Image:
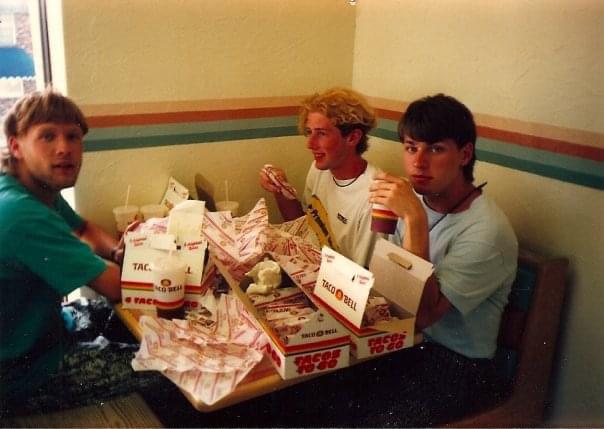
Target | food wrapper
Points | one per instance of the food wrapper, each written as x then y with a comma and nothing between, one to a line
289,326
206,360
207,356
239,243
377,310
285,295
287,190
287,311
266,275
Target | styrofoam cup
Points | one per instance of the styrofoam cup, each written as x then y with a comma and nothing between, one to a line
169,275
124,216
228,206
153,210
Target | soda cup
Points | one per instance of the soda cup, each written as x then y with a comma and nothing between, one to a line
383,219
228,206
153,210
169,274
124,216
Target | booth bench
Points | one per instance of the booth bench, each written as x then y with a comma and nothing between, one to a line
527,343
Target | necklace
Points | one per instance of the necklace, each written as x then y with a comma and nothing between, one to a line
343,185
459,203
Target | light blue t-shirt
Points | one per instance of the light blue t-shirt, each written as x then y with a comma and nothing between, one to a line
475,255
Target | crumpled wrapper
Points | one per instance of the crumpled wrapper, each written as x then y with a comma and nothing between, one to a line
209,360
205,361
239,243
287,190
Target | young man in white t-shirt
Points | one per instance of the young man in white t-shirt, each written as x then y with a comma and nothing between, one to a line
336,123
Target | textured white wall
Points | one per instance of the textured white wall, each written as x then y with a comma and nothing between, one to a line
123,51
107,174
537,61
129,51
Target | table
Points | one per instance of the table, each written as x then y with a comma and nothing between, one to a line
261,380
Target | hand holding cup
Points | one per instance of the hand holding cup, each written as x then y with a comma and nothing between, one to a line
397,195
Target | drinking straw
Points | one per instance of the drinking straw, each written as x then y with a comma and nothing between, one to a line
226,189
127,195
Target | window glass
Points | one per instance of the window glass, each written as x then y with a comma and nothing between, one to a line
20,46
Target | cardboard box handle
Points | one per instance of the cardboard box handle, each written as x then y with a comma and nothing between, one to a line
399,260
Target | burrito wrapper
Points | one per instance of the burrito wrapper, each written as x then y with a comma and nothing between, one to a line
206,363
287,190
208,360
240,243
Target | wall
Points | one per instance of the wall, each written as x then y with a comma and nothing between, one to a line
532,71
141,50
140,67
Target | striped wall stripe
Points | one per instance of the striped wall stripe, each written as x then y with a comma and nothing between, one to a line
567,161
133,137
190,116
178,139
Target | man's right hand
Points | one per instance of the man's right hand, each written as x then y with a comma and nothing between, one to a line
268,184
273,180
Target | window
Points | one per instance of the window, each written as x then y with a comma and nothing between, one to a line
7,30
22,42
24,59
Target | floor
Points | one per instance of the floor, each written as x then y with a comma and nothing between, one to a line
127,411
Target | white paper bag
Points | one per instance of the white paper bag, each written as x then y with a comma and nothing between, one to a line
184,234
175,193
343,285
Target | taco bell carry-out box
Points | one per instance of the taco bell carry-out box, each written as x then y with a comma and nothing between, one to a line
343,287
183,234
322,344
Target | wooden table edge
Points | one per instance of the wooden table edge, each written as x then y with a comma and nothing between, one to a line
244,390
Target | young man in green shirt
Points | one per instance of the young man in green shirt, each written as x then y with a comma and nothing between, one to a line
47,249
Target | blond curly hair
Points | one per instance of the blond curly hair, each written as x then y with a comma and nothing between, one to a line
346,109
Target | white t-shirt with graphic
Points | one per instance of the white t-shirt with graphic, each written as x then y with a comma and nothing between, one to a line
348,211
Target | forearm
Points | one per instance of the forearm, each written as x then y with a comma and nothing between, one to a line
433,304
101,242
417,238
109,282
290,209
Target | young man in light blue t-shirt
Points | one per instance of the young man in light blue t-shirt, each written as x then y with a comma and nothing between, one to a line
444,218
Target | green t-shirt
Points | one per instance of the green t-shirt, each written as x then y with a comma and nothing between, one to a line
41,260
